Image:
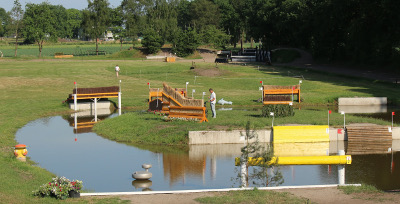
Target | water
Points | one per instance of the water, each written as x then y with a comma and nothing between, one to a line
107,166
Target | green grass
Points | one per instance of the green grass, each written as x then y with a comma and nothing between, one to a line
364,188
253,196
31,89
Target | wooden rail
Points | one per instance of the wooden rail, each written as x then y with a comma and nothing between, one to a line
280,94
188,112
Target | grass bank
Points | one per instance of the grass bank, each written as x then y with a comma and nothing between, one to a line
31,89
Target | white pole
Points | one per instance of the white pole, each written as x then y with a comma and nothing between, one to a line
341,170
344,120
158,89
95,109
75,103
328,118
186,88
273,117
392,119
119,100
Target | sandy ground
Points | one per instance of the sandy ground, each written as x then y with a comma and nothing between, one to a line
324,195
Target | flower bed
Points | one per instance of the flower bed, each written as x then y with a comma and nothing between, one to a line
59,187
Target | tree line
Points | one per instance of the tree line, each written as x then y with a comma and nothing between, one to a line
347,30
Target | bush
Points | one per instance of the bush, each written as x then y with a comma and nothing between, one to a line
279,110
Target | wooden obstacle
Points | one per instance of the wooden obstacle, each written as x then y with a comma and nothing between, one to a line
91,93
176,105
280,94
94,94
373,139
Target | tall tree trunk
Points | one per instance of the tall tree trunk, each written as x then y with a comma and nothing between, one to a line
97,46
120,40
40,43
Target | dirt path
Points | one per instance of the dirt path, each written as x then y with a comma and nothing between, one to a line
324,195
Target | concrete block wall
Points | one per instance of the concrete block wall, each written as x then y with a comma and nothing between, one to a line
359,101
226,137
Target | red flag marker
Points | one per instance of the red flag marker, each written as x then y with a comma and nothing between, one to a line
330,111
74,82
392,113
260,82
339,131
148,83
294,88
76,139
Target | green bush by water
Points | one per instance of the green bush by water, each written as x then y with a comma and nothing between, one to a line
279,110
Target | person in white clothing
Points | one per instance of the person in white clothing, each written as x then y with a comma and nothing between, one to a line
116,70
213,100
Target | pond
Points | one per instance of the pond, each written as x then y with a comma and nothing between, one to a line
107,166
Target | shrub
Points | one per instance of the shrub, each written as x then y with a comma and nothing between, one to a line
279,110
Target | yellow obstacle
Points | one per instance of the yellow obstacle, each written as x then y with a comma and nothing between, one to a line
307,160
314,133
301,149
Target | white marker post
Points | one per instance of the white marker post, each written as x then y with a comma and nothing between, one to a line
95,109
186,88
392,119
193,92
204,93
273,117
262,91
344,120
119,97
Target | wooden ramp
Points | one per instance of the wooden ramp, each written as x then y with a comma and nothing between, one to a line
371,139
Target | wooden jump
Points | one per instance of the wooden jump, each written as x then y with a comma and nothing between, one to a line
98,92
176,104
280,94
94,94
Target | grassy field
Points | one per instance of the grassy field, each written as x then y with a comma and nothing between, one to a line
31,89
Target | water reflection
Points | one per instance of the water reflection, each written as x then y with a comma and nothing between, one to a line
107,166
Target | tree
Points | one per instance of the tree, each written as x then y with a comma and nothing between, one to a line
203,13
3,21
74,21
186,42
39,24
162,17
134,12
254,149
217,37
152,41
61,17
15,24
96,19
116,22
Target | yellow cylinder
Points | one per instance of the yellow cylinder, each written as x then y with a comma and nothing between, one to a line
20,152
305,160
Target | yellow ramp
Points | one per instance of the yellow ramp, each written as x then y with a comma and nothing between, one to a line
314,133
